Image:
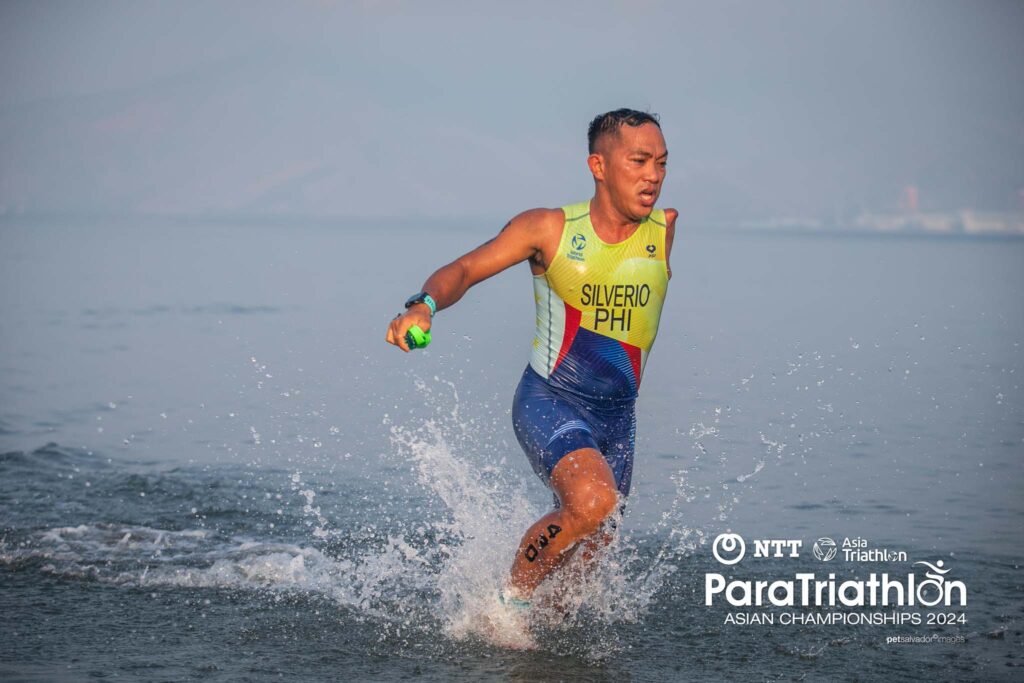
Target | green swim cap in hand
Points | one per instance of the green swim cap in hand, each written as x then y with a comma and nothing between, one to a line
416,338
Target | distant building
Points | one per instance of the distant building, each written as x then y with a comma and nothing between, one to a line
989,223
910,197
966,221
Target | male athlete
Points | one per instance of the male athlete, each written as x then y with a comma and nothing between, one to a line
600,273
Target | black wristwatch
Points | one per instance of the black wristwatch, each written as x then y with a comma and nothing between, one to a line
422,298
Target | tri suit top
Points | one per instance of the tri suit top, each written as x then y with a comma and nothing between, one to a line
598,309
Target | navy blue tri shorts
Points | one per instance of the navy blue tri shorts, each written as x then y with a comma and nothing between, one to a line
550,423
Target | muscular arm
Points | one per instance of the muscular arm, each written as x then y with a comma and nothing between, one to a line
519,240
527,236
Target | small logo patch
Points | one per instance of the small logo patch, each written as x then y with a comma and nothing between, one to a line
579,243
651,249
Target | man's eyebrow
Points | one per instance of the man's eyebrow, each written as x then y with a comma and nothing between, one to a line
644,153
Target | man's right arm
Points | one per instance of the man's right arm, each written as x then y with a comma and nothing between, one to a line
527,236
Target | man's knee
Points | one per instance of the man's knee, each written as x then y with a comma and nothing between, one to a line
592,504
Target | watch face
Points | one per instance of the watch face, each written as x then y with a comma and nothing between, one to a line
415,299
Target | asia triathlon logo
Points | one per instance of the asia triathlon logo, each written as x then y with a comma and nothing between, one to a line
825,549
651,249
729,548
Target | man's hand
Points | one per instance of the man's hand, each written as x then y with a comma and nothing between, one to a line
418,314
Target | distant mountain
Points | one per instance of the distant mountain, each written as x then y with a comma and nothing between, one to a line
273,135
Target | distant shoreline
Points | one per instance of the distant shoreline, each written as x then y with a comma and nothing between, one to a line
464,224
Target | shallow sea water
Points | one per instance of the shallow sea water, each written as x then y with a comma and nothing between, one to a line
214,468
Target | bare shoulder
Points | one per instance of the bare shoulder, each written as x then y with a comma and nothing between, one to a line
539,222
542,230
529,228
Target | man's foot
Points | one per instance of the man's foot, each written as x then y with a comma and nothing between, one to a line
507,624
511,600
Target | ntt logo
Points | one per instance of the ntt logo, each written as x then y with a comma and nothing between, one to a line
729,548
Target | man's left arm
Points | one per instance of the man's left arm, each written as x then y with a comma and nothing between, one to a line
670,233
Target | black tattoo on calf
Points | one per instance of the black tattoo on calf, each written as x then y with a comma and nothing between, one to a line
531,551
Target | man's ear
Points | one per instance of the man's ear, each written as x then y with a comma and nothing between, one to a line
596,163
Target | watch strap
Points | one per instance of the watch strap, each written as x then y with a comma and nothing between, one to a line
423,298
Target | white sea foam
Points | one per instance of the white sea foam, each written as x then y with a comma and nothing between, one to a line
198,558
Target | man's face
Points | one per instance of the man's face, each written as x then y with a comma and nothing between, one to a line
633,168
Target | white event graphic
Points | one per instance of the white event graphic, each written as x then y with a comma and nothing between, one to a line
807,589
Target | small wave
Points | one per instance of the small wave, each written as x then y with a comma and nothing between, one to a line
146,557
204,309
232,309
757,468
49,455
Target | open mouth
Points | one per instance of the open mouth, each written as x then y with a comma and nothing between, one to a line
647,197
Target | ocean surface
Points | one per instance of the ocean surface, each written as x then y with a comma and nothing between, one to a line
213,468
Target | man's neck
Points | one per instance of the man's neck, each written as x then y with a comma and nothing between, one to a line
609,223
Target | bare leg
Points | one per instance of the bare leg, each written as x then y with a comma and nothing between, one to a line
586,489
588,550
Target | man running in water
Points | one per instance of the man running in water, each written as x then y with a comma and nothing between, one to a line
600,273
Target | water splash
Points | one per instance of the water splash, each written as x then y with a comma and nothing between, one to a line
488,510
422,546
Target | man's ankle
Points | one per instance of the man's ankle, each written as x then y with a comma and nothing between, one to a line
514,596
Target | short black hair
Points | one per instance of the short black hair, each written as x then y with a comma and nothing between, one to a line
611,122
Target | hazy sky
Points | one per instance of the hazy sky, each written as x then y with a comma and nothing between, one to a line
480,109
